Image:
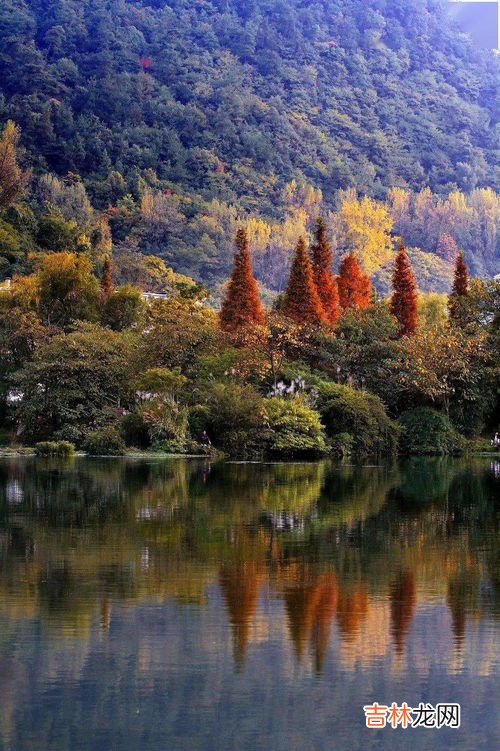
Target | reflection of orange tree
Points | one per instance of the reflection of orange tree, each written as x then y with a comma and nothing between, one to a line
403,596
352,609
240,584
99,531
463,599
79,539
301,600
326,608
310,595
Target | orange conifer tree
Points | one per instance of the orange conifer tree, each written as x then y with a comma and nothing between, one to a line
459,290
106,280
242,306
302,303
326,284
355,288
404,301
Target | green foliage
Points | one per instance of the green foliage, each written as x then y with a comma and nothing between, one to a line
123,308
199,420
135,431
294,428
361,415
341,445
10,245
235,418
178,333
167,424
161,382
74,382
104,442
54,448
57,234
216,135
171,127
67,289
363,352
426,431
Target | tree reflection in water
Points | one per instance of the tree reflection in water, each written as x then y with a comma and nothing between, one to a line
348,551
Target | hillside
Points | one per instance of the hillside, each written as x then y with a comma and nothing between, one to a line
226,108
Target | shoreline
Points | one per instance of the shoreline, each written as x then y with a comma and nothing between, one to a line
29,453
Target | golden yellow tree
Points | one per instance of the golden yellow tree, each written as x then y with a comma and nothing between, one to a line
12,178
363,227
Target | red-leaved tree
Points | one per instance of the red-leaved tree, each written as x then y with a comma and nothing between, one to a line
355,288
326,284
459,290
404,300
242,306
302,303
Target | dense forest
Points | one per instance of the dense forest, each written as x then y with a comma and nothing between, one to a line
349,150
175,122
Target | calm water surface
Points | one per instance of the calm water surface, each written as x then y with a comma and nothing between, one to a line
178,606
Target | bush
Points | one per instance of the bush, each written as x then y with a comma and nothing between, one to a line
294,428
104,442
135,431
54,448
359,414
425,431
167,424
198,420
235,419
342,445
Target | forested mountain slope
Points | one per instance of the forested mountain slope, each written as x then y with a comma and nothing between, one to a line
181,117
234,97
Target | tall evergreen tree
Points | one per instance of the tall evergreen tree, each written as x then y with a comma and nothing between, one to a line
459,290
241,306
302,302
355,288
326,284
404,301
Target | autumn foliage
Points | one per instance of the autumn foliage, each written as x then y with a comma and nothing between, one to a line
355,288
326,284
242,306
106,280
12,179
404,301
302,303
459,289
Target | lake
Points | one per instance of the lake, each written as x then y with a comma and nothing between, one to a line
178,605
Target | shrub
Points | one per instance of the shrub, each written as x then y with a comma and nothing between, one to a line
342,445
167,424
198,420
105,442
361,415
236,418
426,431
135,431
54,448
294,428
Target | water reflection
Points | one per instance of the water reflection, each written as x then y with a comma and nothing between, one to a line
345,568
